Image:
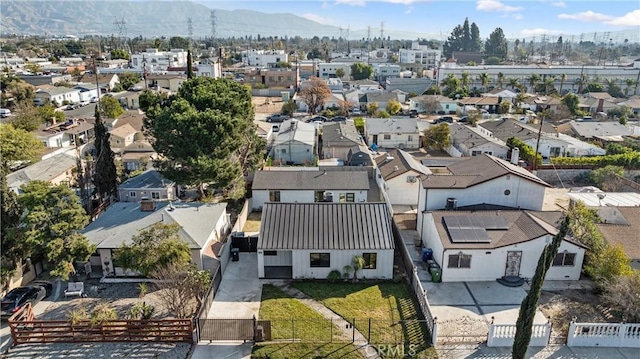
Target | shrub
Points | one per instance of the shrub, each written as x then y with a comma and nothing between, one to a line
144,289
141,311
77,315
102,313
334,276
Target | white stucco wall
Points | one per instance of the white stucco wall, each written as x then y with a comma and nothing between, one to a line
401,192
491,148
405,141
260,197
297,152
339,259
545,146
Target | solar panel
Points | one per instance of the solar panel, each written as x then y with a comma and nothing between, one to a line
469,235
473,229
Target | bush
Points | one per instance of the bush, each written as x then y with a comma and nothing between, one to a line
622,294
141,311
75,316
381,114
630,160
334,276
102,313
144,289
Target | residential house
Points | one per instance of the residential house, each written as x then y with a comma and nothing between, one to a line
328,70
473,141
272,77
634,105
153,60
446,104
356,98
168,82
594,197
402,96
595,105
410,85
488,245
137,155
400,133
294,143
106,82
264,58
484,182
149,185
202,225
134,154
56,95
309,186
383,71
399,174
121,137
359,156
380,98
620,226
595,131
365,85
57,169
309,240
129,100
338,138
487,103
87,91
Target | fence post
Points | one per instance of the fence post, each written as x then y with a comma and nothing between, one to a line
331,331
293,331
369,335
353,331
434,332
571,333
492,329
621,333
548,333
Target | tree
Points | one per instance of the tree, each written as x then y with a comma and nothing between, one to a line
496,45
357,263
315,94
105,177
529,305
513,82
17,145
583,227
177,42
437,136
607,264
33,67
572,101
15,91
393,107
289,108
340,72
205,133
178,285
614,89
128,79
563,78
622,294
110,107
381,114
152,248
504,107
484,79
48,227
533,80
430,104
606,178
119,54
500,79
189,65
527,152
464,37
361,71
76,73
465,79
476,41
372,108
492,60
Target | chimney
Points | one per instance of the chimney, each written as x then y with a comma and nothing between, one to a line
515,155
600,105
147,205
53,120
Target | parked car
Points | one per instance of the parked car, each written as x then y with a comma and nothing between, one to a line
463,119
48,286
5,112
93,100
84,103
318,118
338,119
355,111
447,119
413,113
277,118
18,298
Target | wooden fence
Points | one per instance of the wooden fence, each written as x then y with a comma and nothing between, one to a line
26,329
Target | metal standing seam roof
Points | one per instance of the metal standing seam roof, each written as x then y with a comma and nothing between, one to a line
325,226
311,180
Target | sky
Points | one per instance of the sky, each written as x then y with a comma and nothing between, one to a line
518,19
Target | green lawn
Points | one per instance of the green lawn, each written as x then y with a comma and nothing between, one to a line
387,304
306,350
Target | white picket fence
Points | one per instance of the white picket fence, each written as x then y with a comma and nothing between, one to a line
622,335
502,335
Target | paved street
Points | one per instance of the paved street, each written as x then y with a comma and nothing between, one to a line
82,112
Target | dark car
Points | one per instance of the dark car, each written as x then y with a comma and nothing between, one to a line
48,286
19,297
277,118
463,119
318,118
413,113
338,119
442,119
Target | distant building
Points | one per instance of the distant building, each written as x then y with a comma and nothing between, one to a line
421,54
264,58
153,60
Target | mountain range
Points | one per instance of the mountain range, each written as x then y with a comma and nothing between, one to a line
159,18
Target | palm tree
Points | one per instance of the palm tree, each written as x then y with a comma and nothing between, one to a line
630,83
533,79
500,79
548,85
563,78
582,81
484,79
513,82
465,78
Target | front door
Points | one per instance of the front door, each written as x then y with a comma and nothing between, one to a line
375,139
513,264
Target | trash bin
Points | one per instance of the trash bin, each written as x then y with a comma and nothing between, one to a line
235,254
427,253
433,265
436,274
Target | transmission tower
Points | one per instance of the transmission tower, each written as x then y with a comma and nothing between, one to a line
122,34
214,23
382,33
368,33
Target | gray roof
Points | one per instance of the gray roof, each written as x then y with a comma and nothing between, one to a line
397,162
148,180
506,128
44,170
595,129
57,90
380,97
377,126
340,134
471,137
120,222
294,130
311,180
325,226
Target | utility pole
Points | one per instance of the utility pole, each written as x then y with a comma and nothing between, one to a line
382,34
535,155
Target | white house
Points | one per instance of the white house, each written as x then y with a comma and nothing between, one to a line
421,54
400,133
383,71
202,226
488,245
419,103
474,141
308,186
328,70
87,91
481,182
57,94
264,58
149,185
294,143
364,85
399,174
153,60
309,240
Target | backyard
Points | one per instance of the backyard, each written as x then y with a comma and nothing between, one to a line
384,312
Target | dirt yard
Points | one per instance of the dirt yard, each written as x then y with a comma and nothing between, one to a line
121,296
267,105
584,304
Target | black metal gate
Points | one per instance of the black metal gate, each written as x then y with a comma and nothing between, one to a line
245,244
226,329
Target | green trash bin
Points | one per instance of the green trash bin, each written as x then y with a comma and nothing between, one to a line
436,275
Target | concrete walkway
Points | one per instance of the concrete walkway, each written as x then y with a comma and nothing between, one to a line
365,348
548,352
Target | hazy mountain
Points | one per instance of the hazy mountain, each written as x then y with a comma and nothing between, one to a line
157,18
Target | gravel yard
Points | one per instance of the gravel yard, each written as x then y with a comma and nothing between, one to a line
100,350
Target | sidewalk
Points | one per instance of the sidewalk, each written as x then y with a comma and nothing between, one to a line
548,352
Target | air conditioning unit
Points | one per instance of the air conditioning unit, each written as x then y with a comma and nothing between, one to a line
411,179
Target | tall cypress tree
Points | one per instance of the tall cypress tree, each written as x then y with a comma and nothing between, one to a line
524,325
189,65
105,177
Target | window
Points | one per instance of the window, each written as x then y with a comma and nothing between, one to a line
270,253
274,196
351,197
320,259
132,194
343,197
318,196
475,153
564,259
155,195
409,138
387,137
283,150
370,260
459,260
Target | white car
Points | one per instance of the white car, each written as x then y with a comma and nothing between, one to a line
84,103
94,100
